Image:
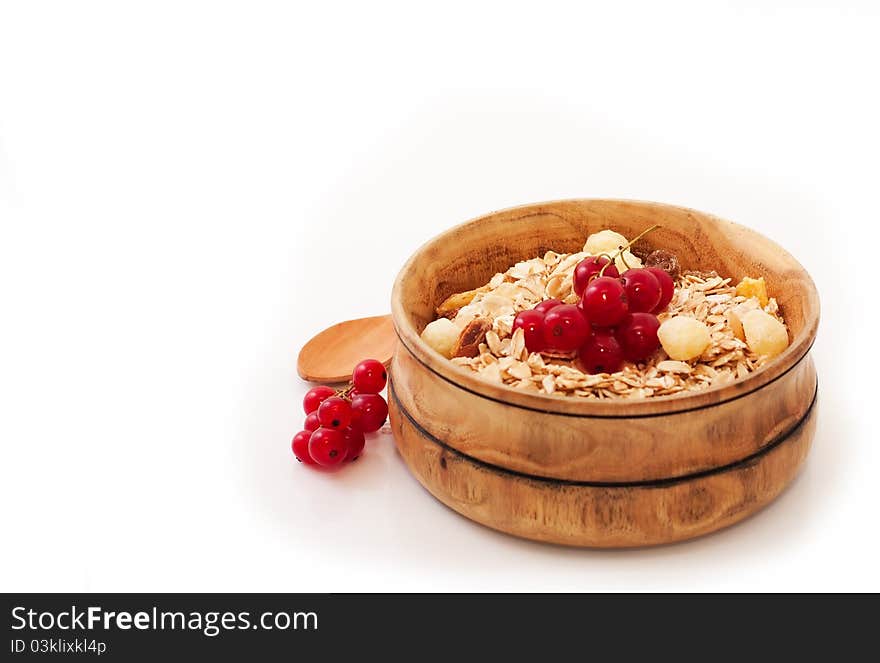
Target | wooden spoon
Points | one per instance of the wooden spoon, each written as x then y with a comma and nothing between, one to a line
332,355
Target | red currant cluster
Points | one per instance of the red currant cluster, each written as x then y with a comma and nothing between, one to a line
336,420
615,319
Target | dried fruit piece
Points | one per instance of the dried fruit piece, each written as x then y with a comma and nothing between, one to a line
756,288
451,304
626,261
468,342
765,335
736,314
442,335
640,252
665,260
604,241
684,338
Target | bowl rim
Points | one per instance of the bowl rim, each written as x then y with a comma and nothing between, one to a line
409,337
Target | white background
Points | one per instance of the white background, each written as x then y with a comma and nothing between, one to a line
190,190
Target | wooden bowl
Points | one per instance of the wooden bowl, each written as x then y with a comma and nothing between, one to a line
610,473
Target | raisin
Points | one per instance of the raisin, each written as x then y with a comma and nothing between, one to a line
665,260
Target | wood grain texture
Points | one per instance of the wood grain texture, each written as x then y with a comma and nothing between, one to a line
603,449
600,516
331,355
530,463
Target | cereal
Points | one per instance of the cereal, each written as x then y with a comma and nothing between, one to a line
732,330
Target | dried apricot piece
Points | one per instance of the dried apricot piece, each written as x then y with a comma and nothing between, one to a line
756,288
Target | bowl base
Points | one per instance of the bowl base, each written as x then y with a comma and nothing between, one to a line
600,515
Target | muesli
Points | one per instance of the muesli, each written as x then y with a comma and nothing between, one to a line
608,323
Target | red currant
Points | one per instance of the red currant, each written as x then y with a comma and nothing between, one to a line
327,447
642,290
565,328
588,268
637,335
312,424
369,377
601,353
547,304
354,442
605,302
370,411
667,288
300,446
315,396
532,324
335,412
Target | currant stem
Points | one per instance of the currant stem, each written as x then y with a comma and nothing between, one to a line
346,392
608,261
621,249
639,236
